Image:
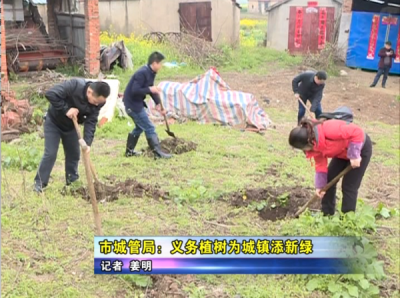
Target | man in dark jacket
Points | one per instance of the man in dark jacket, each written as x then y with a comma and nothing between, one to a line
140,85
386,55
73,98
306,86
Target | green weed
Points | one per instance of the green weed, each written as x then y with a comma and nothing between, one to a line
350,224
22,158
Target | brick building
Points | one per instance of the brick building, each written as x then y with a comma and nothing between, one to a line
56,9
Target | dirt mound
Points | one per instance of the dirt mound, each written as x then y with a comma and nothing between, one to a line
112,191
177,146
166,287
273,203
172,286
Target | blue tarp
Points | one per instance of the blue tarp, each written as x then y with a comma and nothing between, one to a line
360,32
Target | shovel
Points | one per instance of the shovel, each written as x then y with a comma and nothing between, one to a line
305,106
169,132
89,176
328,186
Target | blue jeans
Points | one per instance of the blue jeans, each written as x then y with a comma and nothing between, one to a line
142,123
381,71
302,111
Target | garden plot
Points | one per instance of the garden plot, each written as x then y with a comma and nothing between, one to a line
113,191
272,203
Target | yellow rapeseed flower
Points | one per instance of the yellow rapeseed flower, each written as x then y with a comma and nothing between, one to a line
250,23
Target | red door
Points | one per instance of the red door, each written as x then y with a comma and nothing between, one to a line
310,28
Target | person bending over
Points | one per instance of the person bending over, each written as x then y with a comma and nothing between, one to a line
309,86
345,144
75,98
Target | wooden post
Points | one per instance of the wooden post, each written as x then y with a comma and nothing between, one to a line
4,73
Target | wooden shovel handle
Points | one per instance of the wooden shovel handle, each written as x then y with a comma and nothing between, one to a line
328,186
89,172
305,106
84,146
78,131
165,116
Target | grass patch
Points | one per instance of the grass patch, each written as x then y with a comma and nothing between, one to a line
36,264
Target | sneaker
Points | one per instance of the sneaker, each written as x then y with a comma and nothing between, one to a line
372,86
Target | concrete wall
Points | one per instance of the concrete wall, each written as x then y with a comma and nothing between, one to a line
344,32
278,22
344,29
144,16
121,16
253,7
165,18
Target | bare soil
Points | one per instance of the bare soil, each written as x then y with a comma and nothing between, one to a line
175,146
171,286
113,190
274,90
273,203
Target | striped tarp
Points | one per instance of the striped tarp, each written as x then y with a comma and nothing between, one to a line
208,99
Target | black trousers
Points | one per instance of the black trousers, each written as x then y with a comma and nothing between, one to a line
382,71
52,137
350,184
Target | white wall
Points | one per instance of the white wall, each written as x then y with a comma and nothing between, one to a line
344,31
145,16
253,7
278,22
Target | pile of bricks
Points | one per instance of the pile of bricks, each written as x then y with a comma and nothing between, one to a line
15,114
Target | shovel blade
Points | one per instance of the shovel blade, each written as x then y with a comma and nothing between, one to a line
170,133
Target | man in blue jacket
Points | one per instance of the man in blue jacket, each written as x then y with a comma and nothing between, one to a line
141,85
306,86
75,98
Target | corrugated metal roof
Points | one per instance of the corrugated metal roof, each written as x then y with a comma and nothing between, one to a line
39,2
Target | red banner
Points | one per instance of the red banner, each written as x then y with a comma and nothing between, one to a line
298,27
397,59
322,28
389,21
373,37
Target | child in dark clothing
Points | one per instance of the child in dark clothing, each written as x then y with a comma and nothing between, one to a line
385,64
140,85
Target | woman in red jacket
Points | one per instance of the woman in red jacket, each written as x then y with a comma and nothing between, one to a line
343,142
